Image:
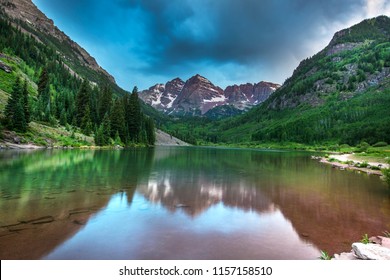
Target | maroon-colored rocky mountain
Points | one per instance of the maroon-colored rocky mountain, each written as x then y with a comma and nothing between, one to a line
198,95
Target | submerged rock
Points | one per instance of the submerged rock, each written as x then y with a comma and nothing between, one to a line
371,251
41,220
181,205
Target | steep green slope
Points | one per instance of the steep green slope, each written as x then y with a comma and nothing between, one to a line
340,95
63,98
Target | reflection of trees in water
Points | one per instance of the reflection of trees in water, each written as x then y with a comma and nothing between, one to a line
330,207
68,186
61,171
54,182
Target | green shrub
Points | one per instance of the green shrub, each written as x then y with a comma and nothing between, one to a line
365,239
380,144
345,146
362,147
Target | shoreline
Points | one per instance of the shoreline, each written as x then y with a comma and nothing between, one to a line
373,248
340,162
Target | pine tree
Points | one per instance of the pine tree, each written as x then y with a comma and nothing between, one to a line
63,118
82,101
104,103
26,105
134,116
86,123
19,121
102,135
11,107
15,109
117,119
43,108
43,83
150,131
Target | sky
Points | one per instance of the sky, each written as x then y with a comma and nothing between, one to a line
145,42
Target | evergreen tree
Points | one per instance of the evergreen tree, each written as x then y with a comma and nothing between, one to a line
117,119
25,102
19,121
15,108
43,83
102,135
150,131
63,118
104,103
86,123
43,108
134,116
11,107
82,102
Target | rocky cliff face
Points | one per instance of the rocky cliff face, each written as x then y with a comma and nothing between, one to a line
27,12
247,95
162,96
198,95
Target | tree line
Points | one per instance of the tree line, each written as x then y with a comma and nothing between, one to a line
64,98
111,120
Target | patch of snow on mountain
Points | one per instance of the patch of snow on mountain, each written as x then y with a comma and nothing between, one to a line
220,98
158,99
172,99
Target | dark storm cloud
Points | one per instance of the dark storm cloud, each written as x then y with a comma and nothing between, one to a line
231,30
165,39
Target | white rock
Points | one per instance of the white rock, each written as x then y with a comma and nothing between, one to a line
345,256
371,251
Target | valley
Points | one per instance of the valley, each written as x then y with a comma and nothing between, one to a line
220,166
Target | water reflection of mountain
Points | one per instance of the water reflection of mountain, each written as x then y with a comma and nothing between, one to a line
66,187
198,195
336,209
328,207
198,178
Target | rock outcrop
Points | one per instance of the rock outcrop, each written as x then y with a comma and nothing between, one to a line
378,249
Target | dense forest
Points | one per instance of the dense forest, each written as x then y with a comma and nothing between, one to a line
43,89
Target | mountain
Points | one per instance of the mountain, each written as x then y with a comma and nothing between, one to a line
245,96
161,96
35,23
340,95
197,96
53,93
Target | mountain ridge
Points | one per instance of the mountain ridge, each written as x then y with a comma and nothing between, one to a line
28,13
198,95
339,96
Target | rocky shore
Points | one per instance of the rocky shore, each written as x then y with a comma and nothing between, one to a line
378,248
345,162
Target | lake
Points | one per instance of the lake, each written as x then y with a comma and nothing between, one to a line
183,203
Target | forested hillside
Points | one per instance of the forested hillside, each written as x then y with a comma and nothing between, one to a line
38,86
339,96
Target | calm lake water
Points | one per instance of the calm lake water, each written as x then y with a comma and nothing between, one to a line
183,203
